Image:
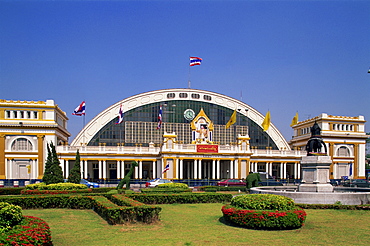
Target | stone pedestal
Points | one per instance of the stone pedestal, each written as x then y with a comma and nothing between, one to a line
315,174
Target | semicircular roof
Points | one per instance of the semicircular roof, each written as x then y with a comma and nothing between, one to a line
99,121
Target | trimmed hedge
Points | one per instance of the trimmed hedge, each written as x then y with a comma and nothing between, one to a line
213,188
185,197
115,214
173,186
111,212
58,186
53,192
11,191
264,211
164,190
49,201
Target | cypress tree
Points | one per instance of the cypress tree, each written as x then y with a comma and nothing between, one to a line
56,168
47,172
53,173
75,173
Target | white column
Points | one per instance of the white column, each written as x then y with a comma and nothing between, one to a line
104,169
86,170
335,165
67,168
136,172
10,169
255,167
299,170
82,173
236,169
34,169
100,169
231,169
218,169
140,169
270,168
213,169
281,174
181,169
195,169
154,170
295,170
200,164
118,169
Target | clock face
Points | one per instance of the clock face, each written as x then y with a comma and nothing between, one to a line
189,114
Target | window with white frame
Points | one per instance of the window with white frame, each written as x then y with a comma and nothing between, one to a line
22,144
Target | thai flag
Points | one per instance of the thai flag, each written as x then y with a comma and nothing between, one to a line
160,118
195,61
166,168
80,110
120,116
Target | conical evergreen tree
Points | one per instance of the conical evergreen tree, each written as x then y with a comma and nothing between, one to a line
47,172
56,168
53,172
75,173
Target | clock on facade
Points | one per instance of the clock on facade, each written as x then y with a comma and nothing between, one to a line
189,114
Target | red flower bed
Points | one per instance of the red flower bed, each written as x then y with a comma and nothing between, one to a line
32,231
263,219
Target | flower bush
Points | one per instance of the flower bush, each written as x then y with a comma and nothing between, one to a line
31,231
264,211
10,215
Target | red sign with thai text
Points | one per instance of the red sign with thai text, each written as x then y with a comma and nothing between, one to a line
207,148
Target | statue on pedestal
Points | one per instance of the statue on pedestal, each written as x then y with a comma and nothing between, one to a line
315,143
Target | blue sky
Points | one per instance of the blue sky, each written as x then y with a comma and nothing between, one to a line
283,56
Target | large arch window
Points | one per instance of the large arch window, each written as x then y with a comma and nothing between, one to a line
343,151
140,125
22,144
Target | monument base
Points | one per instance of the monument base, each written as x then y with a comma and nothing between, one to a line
315,188
315,174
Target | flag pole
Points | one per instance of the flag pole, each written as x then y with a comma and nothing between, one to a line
189,76
83,127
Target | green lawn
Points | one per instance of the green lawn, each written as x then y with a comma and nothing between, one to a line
202,224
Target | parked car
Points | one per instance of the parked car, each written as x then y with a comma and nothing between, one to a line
231,182
89,184
155,182
356,183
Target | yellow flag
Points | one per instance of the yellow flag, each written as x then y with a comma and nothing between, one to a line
232,120
266,121
294,120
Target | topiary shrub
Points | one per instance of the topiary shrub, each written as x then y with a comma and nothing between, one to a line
265,212
10,215
263,202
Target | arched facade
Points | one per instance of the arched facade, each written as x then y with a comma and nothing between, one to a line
141,117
